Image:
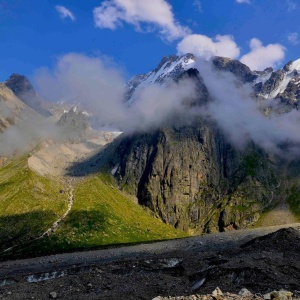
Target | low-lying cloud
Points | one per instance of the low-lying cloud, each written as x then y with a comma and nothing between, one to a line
238,115
26,134
88,80
100,88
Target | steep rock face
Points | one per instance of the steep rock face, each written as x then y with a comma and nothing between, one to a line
273,83
291,95
22,87
193,179
281,84
237,68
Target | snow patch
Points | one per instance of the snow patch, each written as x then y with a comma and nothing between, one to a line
114,170
167,70
45,276
263,78
295,65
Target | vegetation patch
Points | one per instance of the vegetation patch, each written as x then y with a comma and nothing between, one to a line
29,204
101,215
293,199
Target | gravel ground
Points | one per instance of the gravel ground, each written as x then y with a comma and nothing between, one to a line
230,260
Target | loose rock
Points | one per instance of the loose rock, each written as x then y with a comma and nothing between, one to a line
244,292
53,295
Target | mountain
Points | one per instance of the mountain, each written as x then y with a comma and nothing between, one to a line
74,124
24,90
169,68
190,175
282,84
45,210
12,109
241,71
92,189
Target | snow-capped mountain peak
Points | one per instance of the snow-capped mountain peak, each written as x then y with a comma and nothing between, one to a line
169,68
275,84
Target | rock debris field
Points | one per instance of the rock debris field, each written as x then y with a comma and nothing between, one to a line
261,263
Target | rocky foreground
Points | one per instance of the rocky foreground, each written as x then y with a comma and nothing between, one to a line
245,261
243,294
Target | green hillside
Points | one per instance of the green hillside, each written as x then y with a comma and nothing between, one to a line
29,204
101,215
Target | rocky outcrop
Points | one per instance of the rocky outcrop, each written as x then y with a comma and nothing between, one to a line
193,179
23,89
74,124
235,67
291,95
244,294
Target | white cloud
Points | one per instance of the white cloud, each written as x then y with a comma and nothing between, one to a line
198,5
243,1
293,38
239,116
291,5
113,13
205,47
261,57
99,87
65,13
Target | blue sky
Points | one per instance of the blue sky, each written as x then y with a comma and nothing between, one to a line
136,34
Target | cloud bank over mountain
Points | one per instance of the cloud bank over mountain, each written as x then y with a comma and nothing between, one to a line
101,89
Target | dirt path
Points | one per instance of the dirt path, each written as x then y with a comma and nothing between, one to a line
52,229
54,226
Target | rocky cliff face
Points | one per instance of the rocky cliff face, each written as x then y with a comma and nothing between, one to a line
190,175
193,179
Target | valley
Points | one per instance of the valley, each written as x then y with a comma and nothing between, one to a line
150,150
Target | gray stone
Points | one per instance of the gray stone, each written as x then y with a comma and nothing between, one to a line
53,295
244,292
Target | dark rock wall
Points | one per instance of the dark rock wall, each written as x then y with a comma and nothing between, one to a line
193,179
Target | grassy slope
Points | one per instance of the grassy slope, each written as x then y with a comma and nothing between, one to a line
111,217
101,215
29,204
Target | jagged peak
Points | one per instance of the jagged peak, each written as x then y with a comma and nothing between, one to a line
242,71
19,84
168,60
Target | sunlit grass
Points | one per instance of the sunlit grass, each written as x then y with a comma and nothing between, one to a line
102,215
